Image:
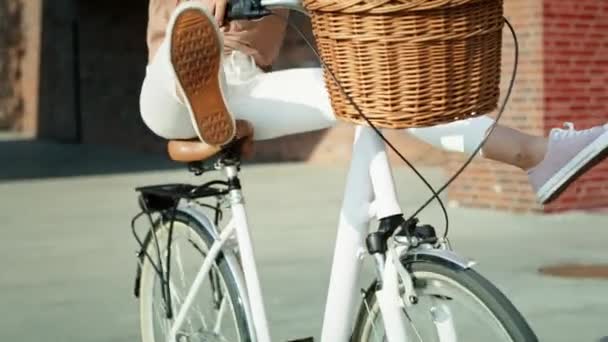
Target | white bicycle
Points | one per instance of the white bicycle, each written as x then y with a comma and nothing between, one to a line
197,282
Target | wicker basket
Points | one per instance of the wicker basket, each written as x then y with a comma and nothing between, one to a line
410,63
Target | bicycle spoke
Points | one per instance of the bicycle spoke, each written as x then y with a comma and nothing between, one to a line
220,316
195,308
161,318
203,255
372,321
178,259
409,319
180,266
177,302
209,318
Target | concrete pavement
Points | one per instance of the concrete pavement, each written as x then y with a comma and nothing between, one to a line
67,254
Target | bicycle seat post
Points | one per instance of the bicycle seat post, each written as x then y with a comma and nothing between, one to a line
229,163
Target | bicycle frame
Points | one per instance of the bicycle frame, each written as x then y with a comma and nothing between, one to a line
370,193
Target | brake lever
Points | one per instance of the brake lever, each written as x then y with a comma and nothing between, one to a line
245,10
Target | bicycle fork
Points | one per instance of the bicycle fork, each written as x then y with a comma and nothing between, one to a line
370,192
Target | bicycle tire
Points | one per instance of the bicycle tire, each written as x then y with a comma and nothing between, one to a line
485,292
148,274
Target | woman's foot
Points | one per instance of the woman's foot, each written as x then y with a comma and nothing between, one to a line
195,51
569,154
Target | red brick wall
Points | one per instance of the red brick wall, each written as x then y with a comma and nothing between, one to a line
563,76
11,51
19,64
487,184
30,65
576,84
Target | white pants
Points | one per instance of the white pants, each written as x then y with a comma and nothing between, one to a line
276,103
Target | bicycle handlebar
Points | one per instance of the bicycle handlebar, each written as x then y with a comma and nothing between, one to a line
256,9
245,10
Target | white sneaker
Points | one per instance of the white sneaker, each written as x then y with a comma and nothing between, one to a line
195,51
569,154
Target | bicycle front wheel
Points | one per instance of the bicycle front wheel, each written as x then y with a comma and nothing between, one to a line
217,313
453,305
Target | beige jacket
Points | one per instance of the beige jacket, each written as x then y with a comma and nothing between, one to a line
260,39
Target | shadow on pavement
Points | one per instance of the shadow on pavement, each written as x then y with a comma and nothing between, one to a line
31,159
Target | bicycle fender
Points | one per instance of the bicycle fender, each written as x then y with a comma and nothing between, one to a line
439,256
191,211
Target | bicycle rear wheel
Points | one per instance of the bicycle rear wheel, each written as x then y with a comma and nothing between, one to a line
454,305
217,314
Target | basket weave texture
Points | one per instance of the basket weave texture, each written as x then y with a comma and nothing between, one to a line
410,63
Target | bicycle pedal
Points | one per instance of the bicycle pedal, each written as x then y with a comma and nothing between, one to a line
307,339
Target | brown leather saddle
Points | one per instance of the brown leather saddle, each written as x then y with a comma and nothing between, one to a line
187,151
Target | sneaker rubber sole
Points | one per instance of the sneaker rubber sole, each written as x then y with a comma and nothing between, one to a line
196,53
582,162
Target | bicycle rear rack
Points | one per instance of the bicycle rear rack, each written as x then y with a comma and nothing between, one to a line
163,199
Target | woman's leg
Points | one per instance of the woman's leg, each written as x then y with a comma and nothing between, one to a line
522,150
282,103
294,101
161,108
505,145
273,103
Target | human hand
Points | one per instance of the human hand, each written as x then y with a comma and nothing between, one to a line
218,9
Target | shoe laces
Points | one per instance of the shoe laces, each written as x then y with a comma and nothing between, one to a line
242,67
569,131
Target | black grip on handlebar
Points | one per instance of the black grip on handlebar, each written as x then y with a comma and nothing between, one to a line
245,10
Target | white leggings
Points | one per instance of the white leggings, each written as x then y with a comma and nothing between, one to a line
276,103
